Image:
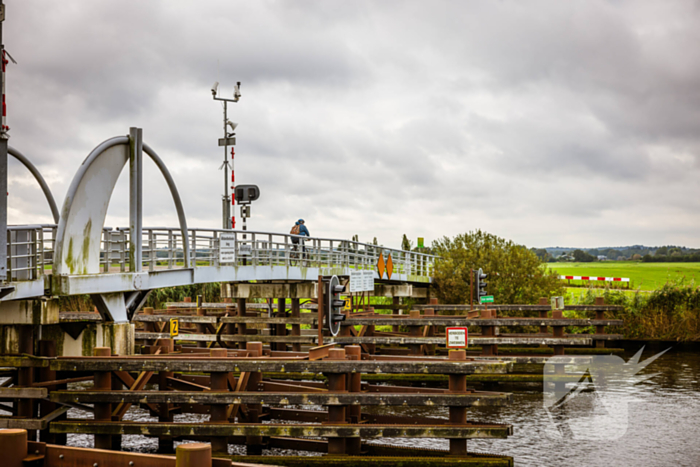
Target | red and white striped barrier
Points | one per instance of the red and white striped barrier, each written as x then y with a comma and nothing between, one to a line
595,278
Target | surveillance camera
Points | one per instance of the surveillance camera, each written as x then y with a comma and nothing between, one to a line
214,88
233,125
237,91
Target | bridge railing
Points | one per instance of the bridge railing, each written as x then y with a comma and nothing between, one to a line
29,251
31,248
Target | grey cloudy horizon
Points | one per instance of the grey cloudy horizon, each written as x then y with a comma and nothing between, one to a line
548,123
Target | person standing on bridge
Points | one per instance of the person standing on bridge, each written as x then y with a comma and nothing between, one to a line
300,230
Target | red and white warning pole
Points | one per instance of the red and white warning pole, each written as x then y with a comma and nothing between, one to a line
595,278
4,104
233,191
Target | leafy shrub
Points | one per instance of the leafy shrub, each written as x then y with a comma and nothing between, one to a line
515,274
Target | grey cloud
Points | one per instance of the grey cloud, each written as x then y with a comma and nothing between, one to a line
547,122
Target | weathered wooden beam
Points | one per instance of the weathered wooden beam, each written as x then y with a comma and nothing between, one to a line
276,290
23,362
32,423
518,307
594,307
181,318
306,318
463,321
475,399
232,364
516,360
599,337
228,338
384,456
366,431
481,307
23,393
79,317
472,340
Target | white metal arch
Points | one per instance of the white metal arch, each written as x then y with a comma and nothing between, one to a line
79,233
37,175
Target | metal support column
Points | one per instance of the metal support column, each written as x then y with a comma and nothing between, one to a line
3,162
135,198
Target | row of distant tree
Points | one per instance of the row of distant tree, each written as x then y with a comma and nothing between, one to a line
643,253
632,253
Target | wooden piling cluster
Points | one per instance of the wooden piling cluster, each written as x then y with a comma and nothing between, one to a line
421,332
246,408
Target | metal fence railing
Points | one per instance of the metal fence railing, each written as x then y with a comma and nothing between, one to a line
30,251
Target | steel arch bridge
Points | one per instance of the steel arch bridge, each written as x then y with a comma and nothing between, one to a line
117,267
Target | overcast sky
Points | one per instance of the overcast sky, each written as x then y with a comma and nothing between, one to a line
549,123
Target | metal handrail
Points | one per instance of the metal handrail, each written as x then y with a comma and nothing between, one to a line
30,251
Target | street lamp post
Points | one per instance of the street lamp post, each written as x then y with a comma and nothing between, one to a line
228,140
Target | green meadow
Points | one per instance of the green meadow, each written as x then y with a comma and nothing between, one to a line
644,276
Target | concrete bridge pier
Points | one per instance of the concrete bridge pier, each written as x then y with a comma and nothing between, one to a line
24,323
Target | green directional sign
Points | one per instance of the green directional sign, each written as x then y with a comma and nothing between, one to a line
487,299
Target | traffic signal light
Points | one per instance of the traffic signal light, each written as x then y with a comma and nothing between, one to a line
480,285
334,305
246,194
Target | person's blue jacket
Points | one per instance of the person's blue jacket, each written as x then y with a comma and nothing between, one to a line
303,230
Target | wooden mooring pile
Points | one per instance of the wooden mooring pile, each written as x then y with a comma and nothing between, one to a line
18,451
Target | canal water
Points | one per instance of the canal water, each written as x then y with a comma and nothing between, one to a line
655,422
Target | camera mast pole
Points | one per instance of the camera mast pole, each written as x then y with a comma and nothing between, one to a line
228,221
4,136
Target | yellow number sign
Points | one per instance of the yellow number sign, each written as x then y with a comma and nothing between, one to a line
174,327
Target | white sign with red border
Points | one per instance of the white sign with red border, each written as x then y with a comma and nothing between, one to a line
457,338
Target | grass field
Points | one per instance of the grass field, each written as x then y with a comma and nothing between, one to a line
644,276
